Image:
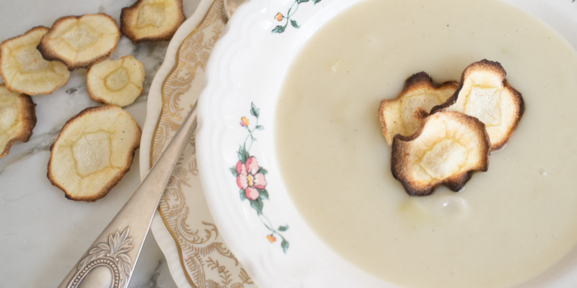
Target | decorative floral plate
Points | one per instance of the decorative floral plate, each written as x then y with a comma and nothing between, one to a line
236,158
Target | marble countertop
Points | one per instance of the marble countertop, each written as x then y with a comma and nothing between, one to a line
42,234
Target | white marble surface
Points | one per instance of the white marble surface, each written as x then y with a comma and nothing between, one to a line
42,234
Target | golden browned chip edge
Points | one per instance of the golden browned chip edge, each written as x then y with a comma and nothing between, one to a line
129,12
104,191
28,110
416,81
455,182
495,67
103,101
50,55
8,85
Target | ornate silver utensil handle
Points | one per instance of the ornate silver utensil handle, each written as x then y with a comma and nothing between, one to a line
110,260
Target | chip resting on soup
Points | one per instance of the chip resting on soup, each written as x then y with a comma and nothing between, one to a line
446,149
404,114
485,94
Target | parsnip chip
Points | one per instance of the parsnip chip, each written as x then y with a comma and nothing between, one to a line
404,114
485,94
17,118
151,20
24,69
116,82
446,149
80,41
93,152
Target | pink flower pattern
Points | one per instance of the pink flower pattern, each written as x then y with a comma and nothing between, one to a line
249,178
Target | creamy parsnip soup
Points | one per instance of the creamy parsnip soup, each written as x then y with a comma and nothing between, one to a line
509,224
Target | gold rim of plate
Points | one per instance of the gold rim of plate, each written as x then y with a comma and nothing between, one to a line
206,260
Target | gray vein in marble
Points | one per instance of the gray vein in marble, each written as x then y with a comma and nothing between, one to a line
8,199
159,278
36,144
153,281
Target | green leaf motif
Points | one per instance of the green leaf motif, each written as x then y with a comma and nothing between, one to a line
278,29
285,245
243,154
254,111
263,193
257,205
233,171
242,195
261,170
295,24
260,127
283,228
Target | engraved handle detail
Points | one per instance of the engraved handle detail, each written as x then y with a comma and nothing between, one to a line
112,255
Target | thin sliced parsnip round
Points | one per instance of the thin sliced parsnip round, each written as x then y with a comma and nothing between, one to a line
116,82
446,149
404,114
80,41
152,20
23,68
93,152
17,118
485,94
